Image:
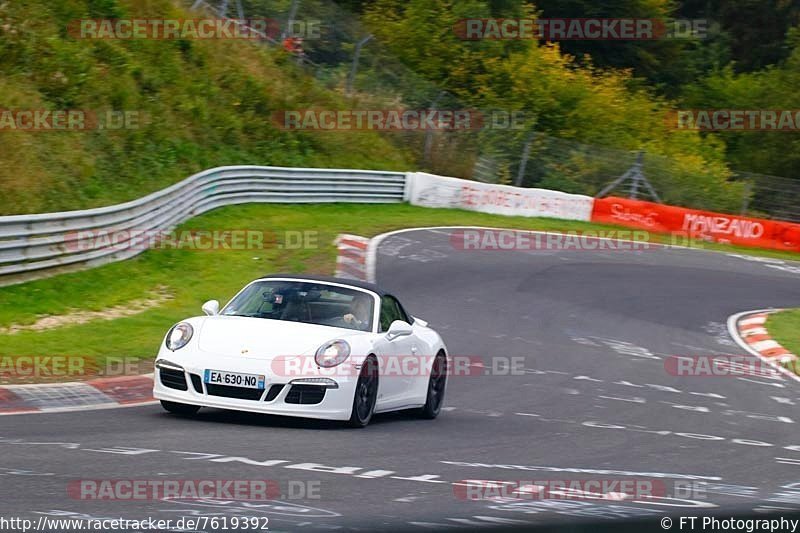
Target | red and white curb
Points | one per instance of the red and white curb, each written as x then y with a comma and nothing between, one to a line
351,261
749,331
103,393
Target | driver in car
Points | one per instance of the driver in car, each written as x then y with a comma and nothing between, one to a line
359,313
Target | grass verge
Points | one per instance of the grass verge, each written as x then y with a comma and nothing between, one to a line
193,277
784,327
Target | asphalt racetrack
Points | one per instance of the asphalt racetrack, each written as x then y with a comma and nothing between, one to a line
592,330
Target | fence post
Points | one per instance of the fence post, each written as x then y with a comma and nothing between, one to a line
636,176
290,19
526,152
426,151
748,190
356,54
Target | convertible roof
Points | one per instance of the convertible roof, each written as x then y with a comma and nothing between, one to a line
330,279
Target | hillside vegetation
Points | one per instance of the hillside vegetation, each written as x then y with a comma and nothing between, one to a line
201,104
588,105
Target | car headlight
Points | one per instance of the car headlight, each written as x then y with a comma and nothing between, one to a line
332,353
179,336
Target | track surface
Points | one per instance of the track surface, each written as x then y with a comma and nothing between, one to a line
593,329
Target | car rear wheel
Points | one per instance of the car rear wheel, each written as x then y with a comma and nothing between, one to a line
366,394
436,387
182,409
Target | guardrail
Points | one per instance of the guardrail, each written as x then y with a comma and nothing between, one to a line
40,245
33,246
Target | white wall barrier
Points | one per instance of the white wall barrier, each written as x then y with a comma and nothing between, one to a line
428,190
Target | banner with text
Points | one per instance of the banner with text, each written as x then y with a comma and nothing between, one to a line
701,225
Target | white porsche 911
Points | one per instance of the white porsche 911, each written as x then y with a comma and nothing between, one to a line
304,346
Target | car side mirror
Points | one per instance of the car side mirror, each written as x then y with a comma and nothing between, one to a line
398,328
211,307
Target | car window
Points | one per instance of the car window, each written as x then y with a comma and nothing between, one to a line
391,311
308,302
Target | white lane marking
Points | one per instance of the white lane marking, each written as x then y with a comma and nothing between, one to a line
781,399
653,386
632,399
431,525
759,416
719,331
397,246
779,385
572,470
619,346
700,350
663,433
786,268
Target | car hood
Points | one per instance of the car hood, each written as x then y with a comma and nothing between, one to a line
259,338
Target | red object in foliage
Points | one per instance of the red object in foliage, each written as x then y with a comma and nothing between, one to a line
293,45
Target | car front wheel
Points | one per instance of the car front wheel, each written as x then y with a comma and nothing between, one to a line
436,387
366,394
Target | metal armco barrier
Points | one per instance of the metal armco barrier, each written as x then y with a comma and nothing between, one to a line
33,246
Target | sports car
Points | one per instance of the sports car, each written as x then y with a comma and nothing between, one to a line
308,346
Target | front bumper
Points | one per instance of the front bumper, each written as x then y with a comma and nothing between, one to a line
184,384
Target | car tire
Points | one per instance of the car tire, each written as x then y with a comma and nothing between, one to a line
366,394
437,384
181,409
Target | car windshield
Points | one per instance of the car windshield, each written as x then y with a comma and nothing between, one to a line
307,302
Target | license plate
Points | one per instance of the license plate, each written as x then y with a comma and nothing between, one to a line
247,381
